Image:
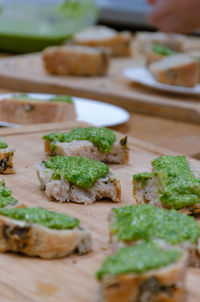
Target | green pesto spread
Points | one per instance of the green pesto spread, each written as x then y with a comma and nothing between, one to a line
3,145
178,186
58,98
163,50
145,222
103,138
49,219
6,198
80,171
138,259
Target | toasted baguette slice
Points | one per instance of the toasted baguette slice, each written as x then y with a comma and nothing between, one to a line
6,160
118,155
76,60
195,55
178,70
102,36
33,111
150,192
36,240
174,223
158,285
61,190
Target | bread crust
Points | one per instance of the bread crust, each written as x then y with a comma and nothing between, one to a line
76,60
27,111
37,241
118,155
6,160
60,190
160,285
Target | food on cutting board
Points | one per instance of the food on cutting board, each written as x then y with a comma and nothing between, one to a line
102,36
167,228
22,108
76,60
6,199
92,142
195,55
158,52
178,70
6,158
143,273
172,184
78,179
42,233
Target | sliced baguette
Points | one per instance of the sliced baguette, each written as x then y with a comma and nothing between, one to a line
6,160
76,60
118,155
178,70
158,285
36,240
61,190
30,111
102,36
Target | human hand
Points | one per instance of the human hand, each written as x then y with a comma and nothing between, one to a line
176,15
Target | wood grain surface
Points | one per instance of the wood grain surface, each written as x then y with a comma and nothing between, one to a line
69,279
26,73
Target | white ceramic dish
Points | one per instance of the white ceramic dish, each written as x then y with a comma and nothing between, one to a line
142,76
92,112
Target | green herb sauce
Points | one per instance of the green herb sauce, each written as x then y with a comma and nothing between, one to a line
6,196
144,222
138,259
163,50
80,171
103,138
43,217
179,187
3,145
58,98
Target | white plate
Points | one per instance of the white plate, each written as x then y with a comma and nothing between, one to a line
88,111
142,76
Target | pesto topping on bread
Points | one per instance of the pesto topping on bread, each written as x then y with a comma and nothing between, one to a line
145,222
178,186
62,98
49,219
6,198
58,98
103,138
138,259
163,50
3,145
80,171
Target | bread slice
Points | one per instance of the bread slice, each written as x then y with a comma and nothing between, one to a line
119,153
150,190
36,240
76,60
20,109
167,228
166,283
102,36
7,201
195,55
6,160
61,190
178,70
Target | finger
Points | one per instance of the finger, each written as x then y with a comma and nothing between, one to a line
152,2
162,9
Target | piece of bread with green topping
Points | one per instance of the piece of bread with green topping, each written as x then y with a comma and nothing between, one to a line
103,36
132,224
6,158
76,60
24,109
157,52
172,184
143,273
38,232
92,142
6,199
177,70
78,179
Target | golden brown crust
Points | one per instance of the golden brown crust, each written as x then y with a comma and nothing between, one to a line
162,285
76,60
21,111
35,240
6,162
118,190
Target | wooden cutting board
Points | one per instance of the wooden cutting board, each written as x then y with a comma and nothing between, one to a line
26,73
69,279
